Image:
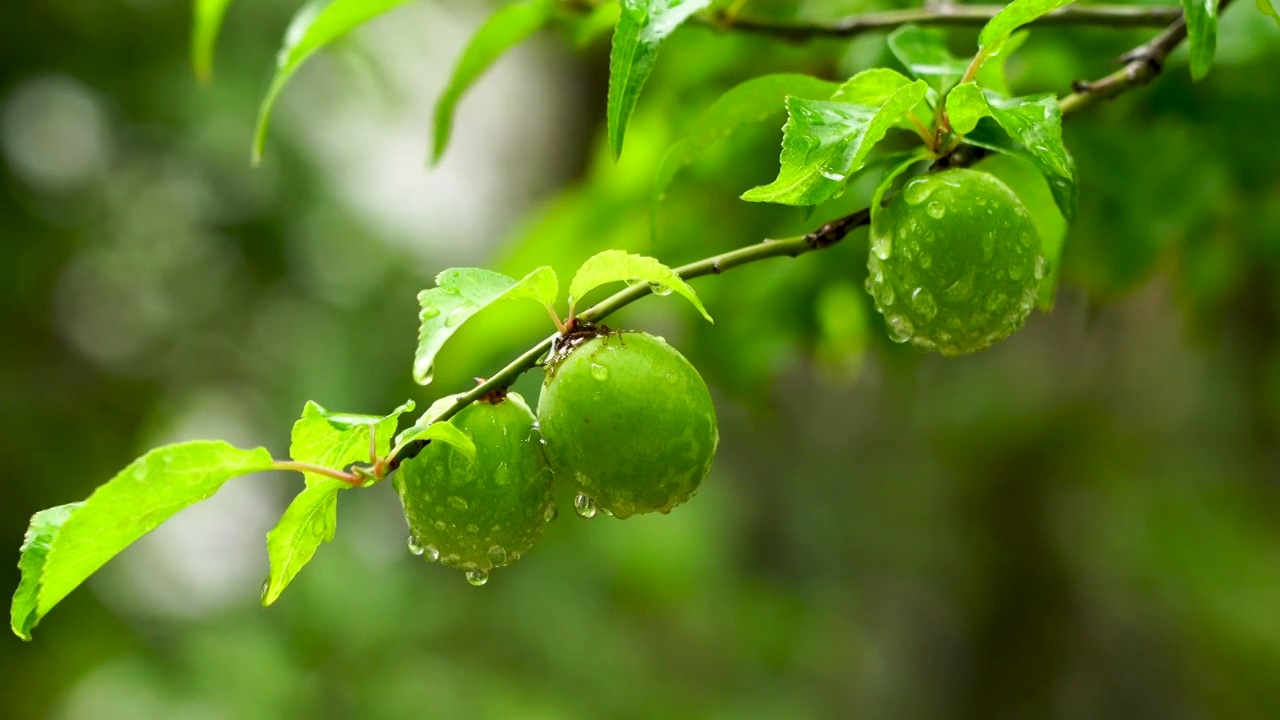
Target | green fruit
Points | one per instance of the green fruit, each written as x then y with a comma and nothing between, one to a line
955,262
630,422
482,514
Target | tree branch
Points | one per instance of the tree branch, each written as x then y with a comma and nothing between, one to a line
1116,16
1142,64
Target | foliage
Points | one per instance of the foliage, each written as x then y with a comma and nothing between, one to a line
841,457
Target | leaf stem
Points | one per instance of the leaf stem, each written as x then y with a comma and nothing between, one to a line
349,478
921,129
1144,63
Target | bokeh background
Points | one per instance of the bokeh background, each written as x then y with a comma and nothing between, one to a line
1083,521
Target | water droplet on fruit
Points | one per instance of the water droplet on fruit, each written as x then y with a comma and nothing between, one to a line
881,245
414,548
900,329
917,191
599,372
430,553
1015,271
988,245
456,316
1042,267
936,210
550,513
430,312
458,502
497,555
926,260
477,577
922,302
584,506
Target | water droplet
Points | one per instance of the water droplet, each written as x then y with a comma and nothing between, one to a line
917,190
414,548
456,316
900,329
1015,271
1042,267
936,210
659,289
997,301
430,553
832,175
584,506
266,585
497,555
459,503
477,577
430,312
922,302
988,245
551,513
881,245
473,528
599,372
926,260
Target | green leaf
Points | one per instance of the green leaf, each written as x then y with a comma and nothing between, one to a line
445,433
641,28
317,24
1033,130
1202,34
966,105
336,440
1014,15
206,22
333,440
75,540
618,266
463,292
870,87
311,519
1266,8
923,52
504,29
34,551
750,102
824,143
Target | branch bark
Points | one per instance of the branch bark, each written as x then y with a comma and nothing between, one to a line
1116,16
1141,65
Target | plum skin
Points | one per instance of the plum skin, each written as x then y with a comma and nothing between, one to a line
630,422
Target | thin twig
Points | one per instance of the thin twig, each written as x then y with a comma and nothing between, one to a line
1116,16
1149,56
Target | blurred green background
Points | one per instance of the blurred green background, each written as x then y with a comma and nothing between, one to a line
1080,522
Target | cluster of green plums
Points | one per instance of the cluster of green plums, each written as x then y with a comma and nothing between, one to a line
623,417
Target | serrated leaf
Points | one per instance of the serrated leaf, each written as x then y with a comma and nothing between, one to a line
1032,128
618,266
824,143
1202,34
76,540
923,52
206,23
752,101
445,433
336,440
502,31
1266,8
966,105
641,28
461,293
996,33
317,24
41,532
333,440
310,520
